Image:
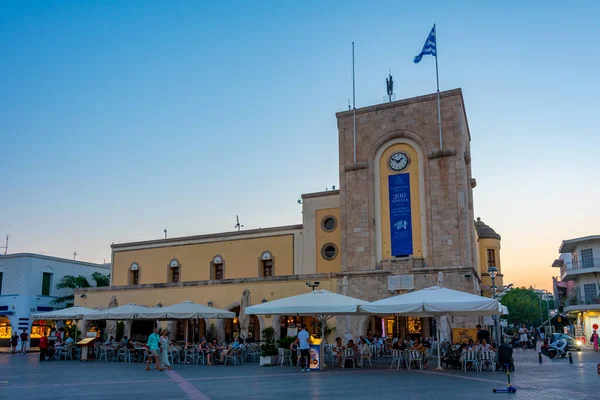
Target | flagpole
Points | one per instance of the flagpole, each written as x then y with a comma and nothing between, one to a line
354,104
437,77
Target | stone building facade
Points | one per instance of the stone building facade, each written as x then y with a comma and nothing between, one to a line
350,240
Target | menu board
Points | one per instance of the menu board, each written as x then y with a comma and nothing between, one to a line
315,357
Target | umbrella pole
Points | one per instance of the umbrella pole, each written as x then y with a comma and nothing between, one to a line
439,344
186,332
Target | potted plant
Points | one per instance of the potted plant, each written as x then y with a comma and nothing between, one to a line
268,350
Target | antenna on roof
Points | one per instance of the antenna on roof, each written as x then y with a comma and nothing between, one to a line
238,226
75,255
5,247
389,83
165,233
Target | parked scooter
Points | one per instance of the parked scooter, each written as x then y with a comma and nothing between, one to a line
557,348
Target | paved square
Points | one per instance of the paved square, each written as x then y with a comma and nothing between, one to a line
26,378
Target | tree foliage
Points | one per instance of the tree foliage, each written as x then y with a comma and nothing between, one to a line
524,307
78,282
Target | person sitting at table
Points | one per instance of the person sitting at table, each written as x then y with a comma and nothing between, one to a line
129,344
351,345
364,351
485,346
205,348
69,340
230,348
338,349
110,341
471,345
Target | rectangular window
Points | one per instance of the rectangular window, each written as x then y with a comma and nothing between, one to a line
268,268
46,283
587,258
590,293
491,254
1,282
135,277
175,274
218,271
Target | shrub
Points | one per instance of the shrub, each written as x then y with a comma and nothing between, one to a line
268,348
286,342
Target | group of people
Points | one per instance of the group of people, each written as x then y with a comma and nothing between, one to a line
16,339
158,346
51,344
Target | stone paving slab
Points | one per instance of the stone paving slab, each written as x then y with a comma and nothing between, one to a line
23,376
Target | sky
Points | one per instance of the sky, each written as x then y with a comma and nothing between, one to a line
119,119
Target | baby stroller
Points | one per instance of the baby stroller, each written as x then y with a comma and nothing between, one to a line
505,357
452,357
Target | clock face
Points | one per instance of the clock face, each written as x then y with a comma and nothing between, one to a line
398,161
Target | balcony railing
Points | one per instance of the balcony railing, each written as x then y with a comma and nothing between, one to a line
576,301
579,266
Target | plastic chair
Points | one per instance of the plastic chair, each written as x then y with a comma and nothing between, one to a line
397,358
415,356
285,356
234,356
66,352
487,358
366,357
348,355
190,355
471,356
124,354
200,358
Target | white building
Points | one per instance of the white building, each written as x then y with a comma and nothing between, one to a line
28,285
579,265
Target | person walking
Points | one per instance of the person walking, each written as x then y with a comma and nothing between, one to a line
164,349
523,337
43,346
154,349
14,342
595,338
24,339
304,345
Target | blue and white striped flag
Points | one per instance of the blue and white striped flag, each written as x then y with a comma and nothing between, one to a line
429,48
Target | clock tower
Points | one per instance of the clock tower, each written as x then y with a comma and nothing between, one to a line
406,205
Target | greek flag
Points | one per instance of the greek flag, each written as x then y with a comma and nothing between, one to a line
429,48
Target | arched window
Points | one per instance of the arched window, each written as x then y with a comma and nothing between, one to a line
266,264
174,271
134,274
217,268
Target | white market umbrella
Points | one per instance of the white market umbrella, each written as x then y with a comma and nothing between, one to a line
127,312
191,310
65,313
317,302
74,313
435,301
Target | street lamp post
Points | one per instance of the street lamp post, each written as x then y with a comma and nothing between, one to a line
493,271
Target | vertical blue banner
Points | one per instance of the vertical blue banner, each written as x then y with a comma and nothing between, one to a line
400,215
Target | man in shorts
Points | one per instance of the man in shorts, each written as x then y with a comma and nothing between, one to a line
154,349
24,339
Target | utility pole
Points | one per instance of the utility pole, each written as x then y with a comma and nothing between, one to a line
6,247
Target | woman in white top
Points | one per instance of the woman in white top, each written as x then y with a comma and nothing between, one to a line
485,346
523,336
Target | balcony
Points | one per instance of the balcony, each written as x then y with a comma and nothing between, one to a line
573,269
581,304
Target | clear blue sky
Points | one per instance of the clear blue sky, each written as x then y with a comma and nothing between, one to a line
121,118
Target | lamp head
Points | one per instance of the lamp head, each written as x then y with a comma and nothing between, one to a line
492,271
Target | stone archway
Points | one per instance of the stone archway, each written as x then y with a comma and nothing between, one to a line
276,324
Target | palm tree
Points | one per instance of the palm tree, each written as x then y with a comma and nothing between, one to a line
70,282
78,282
